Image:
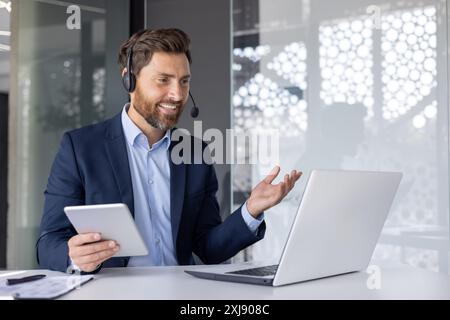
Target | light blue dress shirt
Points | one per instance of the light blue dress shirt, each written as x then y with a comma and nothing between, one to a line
150,176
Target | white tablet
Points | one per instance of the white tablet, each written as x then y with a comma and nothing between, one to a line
113,222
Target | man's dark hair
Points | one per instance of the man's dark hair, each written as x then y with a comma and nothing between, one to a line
146,42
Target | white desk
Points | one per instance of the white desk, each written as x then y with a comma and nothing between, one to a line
169,283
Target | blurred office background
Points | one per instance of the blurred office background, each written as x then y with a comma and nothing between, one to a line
349,84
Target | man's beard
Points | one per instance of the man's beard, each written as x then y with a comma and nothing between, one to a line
152,115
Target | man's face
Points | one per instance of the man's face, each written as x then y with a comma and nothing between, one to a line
162,89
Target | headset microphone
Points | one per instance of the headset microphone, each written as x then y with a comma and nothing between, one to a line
194,111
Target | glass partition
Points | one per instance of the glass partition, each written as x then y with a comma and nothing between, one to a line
350,85
64,76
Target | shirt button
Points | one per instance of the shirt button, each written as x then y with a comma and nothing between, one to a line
157,241
150,181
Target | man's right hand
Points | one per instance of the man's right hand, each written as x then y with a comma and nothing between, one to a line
88,252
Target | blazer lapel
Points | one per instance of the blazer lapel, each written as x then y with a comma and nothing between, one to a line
118,157
177,184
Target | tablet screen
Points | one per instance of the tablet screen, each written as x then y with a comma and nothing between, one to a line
113,222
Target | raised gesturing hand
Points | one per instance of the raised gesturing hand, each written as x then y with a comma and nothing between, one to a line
266,195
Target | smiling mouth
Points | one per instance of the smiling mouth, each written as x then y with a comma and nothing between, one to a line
168,108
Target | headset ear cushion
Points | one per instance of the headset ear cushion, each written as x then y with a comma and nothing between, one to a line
126,81
132,82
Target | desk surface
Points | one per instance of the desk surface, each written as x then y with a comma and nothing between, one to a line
400,282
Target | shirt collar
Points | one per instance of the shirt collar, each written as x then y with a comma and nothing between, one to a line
133,133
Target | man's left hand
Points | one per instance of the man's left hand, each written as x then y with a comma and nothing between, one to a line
266,195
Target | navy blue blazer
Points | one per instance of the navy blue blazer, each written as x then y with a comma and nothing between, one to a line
91,167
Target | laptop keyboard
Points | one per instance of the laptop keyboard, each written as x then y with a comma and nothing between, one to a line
259,272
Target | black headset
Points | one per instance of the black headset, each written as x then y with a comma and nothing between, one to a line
129,82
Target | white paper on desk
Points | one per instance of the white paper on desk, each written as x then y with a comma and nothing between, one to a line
47,288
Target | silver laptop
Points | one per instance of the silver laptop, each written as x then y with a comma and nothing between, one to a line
335,230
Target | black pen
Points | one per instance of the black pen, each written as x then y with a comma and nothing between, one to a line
11,282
